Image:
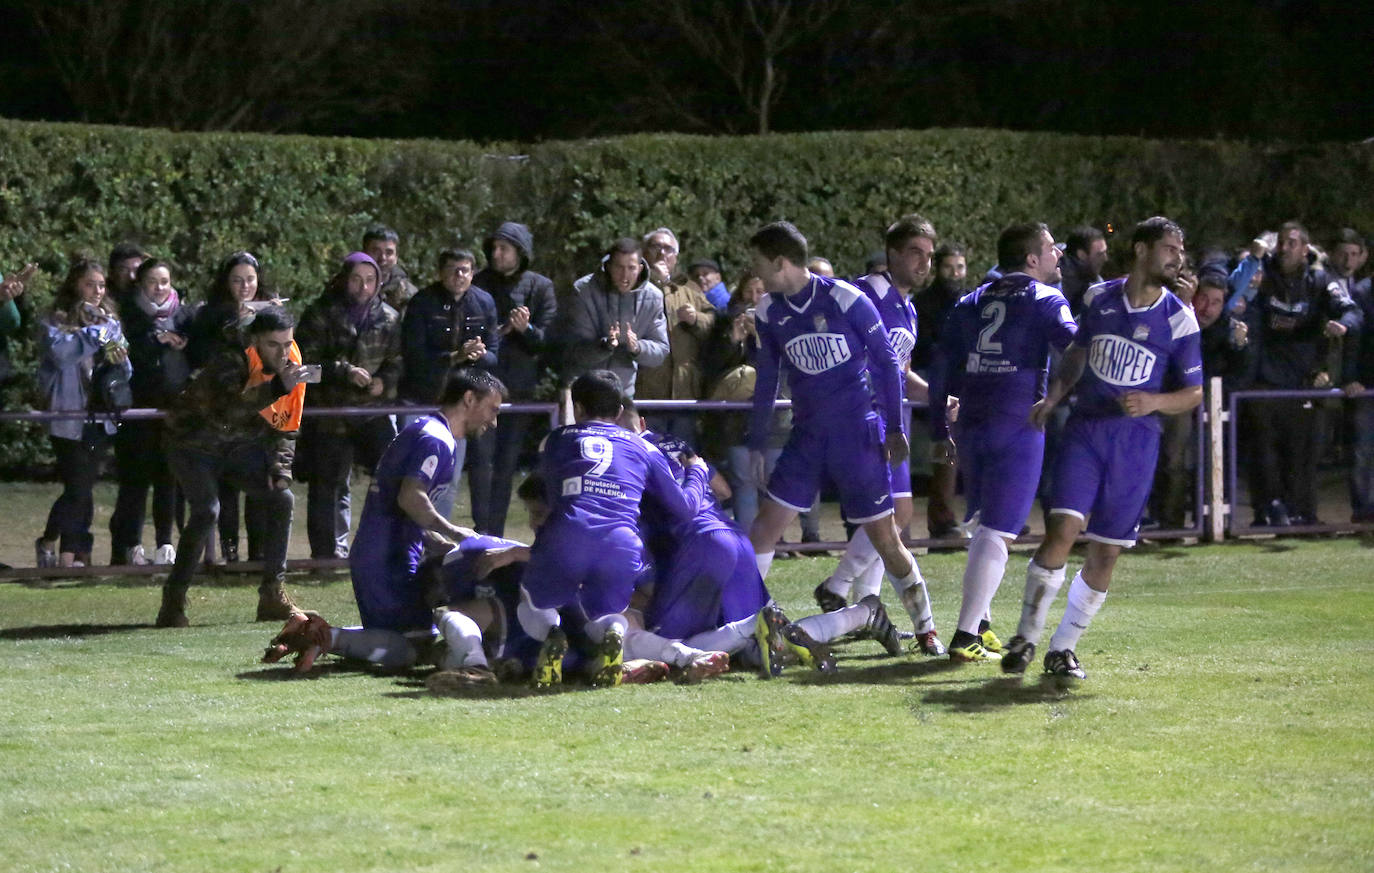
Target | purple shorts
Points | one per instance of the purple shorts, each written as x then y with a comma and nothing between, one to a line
385,586
712,580
1104,472
594,568
1001,465
855,461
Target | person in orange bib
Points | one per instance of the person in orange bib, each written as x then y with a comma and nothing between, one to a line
237,419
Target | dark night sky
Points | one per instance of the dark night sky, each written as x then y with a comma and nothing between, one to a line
541,69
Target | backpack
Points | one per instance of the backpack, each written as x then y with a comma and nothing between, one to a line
110,391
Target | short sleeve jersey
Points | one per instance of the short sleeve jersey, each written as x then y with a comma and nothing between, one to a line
830,341
896,311
1157,348
423,451
995,347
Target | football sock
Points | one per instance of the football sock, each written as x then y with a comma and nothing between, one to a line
870,581
1041,587
987,561
597,627
536,622
1084,602
464,640
764,560
732,637
651,646
827,626
385,648
857,558
912,590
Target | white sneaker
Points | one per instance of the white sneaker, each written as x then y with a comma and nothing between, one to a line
137,557
165,554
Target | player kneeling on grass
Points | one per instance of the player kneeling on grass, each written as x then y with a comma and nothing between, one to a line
1137,355
398,519
589,552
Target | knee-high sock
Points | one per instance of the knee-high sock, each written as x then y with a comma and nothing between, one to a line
870,581
912,590
827,626
730,637
385,648
987,561
1041,587
597,627
764,560
464,640
645,644
858,557
536,622
1084,602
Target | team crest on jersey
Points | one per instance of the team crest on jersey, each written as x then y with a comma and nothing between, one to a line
820,324
1119,361
1142,332
903,342
813,353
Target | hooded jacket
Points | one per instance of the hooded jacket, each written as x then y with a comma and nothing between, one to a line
522,356
595,307
329,337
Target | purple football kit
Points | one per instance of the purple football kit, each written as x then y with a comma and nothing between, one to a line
992,356
705,572
899,319
388,546
1106,463
831,342
589,551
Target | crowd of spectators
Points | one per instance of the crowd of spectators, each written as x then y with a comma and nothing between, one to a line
1279,314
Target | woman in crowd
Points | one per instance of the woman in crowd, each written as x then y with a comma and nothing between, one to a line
156,325
239,284
77,339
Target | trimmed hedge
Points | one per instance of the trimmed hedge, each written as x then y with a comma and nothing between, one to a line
301,203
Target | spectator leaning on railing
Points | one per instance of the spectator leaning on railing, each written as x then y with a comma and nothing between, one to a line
1226,349
156,324
1295,313
355,338
77,338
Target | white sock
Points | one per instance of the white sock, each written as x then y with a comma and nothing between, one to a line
858,556
1041,587
912,590
645,644
870,581
597,627
764,560
1084,602
385,648
536,622
464,640
827,626
731,637
987,561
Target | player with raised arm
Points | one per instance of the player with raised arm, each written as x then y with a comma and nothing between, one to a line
992,356
1137,354
589,552
846,411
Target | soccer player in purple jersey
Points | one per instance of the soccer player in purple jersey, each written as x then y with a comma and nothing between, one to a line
992,356
909,245
1137,355
846,410
589,552
398,519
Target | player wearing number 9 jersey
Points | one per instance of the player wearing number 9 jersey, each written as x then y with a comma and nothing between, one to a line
992,356
589,551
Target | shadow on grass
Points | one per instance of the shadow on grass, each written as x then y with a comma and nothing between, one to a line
283,671
888,672
1003,691
54,631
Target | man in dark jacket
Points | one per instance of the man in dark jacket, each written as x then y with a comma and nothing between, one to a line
933,305
1348,256
383,243
237,419
356,339
526,305
452,323
1296,312
1085,254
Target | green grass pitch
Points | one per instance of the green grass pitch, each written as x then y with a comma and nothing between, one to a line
1225,725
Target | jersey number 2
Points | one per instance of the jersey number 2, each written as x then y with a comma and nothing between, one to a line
599,451
994,313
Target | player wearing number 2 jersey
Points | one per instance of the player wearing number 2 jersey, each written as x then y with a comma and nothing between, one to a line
992,356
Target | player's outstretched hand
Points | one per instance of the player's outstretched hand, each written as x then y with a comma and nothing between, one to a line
898,450
489,562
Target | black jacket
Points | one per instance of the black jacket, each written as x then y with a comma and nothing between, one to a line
523,356
434,327
1287,325
159,370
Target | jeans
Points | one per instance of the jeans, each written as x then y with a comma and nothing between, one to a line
1362,472
78,466
199,475
512,431
141,459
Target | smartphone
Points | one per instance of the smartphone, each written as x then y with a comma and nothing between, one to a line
310,373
